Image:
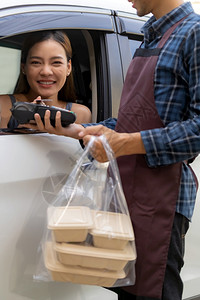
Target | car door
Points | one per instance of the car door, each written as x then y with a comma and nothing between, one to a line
34,165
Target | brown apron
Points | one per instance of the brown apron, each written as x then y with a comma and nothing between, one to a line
151,193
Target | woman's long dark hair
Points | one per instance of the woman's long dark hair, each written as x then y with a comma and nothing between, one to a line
67,93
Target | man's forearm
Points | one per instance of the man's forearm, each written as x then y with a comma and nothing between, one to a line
127,144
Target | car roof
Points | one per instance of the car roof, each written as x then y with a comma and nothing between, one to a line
123,5
20,16
117,5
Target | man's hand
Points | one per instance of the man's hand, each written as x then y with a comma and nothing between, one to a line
97,150
120,143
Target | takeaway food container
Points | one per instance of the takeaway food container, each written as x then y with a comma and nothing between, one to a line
93,257
111,230
69,224
76,274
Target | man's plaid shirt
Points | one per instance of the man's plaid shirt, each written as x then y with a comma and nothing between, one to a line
177,98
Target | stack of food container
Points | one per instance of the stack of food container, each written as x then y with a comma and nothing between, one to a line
71,257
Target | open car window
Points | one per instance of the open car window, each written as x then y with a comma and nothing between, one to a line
82,66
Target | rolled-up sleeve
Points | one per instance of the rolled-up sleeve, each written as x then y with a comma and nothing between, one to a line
110,123
176,142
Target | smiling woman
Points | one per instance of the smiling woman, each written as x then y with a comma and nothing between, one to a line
46,73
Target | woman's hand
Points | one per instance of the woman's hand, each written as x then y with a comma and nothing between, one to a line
71,130
41,101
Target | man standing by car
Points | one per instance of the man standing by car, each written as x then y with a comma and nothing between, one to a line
155,137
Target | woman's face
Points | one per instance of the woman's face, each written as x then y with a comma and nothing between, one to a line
46,69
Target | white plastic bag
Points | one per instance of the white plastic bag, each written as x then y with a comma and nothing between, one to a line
89,237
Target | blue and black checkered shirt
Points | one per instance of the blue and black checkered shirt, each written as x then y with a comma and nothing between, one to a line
177,97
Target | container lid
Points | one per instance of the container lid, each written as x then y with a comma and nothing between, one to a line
128,253
52,264
112,225
71,217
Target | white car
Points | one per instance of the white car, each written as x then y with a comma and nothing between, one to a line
104,36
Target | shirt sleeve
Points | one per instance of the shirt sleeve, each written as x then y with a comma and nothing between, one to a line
110,123
176,142
180,140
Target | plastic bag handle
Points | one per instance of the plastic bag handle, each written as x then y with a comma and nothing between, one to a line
113,168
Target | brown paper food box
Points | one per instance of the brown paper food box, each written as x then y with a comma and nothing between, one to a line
76,274
69,224
93,257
